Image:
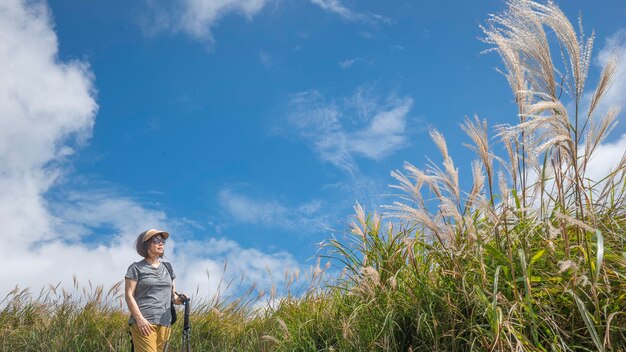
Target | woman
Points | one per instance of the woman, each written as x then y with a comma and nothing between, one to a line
149,291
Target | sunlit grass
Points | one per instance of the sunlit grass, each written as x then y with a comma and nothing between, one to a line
60,321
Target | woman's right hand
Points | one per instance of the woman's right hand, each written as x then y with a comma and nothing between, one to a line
144,326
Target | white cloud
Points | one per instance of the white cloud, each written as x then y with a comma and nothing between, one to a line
337,7
198,18
248,210
43,104
605,158
271,213
385,133
253,265
608,154
63,252
46,107
347,63
361,126
616,95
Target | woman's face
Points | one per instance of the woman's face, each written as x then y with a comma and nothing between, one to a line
157,245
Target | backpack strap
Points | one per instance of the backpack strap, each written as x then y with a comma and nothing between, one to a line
168,266
172,308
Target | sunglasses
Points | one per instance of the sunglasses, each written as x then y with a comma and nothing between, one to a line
157,240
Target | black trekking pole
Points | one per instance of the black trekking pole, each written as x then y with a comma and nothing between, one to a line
186,346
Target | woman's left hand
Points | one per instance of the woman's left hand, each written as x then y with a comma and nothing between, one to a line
179,298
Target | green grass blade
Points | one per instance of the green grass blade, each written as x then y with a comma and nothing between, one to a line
496,277
589,323
599,255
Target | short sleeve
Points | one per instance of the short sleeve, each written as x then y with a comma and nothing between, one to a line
133,272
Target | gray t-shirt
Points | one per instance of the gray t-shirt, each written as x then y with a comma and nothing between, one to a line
153,293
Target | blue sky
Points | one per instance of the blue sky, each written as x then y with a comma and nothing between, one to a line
248,128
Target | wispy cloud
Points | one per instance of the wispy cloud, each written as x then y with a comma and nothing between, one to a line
360,125
271,213
347,63
244,265
266,59
253,211
198,18
351,62
337,7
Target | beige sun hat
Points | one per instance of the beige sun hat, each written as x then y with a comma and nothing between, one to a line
148,234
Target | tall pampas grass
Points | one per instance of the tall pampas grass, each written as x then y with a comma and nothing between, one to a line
546,210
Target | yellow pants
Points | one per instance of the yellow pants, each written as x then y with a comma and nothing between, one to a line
155,342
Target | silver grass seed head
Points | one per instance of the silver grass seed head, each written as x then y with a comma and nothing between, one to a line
504,188
360,214
370,275
583,281
356,230
565,265
605,82
448,208
575,222
440,142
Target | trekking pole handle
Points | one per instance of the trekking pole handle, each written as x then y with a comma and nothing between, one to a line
183,297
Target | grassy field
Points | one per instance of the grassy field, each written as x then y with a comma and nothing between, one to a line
531,258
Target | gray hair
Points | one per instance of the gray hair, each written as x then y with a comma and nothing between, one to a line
141,246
